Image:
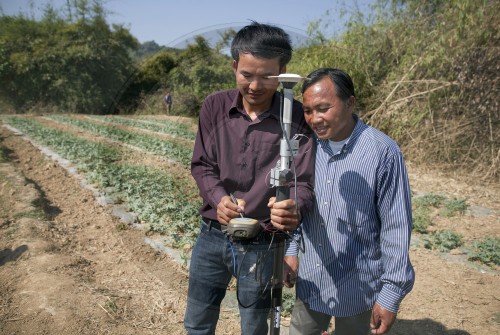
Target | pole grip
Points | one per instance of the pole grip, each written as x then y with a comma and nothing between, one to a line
282,193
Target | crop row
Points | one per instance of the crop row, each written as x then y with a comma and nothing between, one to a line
172,128
166,203
169,149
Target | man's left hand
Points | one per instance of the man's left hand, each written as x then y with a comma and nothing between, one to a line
381,320
290,270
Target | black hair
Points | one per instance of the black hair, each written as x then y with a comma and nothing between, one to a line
263,41
341,80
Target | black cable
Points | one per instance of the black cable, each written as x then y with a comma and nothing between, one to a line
260,261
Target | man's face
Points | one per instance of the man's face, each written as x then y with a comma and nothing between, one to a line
327,115
251,78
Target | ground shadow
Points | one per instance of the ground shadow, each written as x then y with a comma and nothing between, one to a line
41,202
423,327
8,255
6,154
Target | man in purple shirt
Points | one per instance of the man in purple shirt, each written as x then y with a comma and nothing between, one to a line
236,147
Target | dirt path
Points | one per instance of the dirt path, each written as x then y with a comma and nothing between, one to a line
67,266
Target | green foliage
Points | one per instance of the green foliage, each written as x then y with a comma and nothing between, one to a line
422,212
148,49
166,203
454,206
425,208
151,75
157,67
179,152
429,200
443,241
200,71
87,154
225,41
421,219
487,251
425,73
172,128
288,300
76,64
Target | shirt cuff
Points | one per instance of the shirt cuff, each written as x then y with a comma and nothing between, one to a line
390,297
292,245
217,194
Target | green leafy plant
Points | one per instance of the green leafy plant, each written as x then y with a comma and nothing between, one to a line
421,219
172,128
288,300
429,200
453,207
180,152
486,251
424,207
111,306
443,241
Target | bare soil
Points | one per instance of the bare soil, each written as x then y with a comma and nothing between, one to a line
68,266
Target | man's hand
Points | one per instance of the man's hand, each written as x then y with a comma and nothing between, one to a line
284,214
290,270
381,320
227,209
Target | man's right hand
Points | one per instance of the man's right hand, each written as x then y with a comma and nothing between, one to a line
227,209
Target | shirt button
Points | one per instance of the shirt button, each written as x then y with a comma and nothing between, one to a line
328,181
243,164
317,265
325,203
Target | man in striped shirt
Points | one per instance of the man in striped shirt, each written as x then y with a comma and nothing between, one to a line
355,264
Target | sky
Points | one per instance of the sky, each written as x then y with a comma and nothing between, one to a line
172,22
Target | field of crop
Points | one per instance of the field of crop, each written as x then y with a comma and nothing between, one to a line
133,174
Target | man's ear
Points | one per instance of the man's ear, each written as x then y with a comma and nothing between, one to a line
235,66
351,102
283,69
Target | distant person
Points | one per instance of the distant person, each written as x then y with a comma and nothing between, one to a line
167,101
355,265
236,147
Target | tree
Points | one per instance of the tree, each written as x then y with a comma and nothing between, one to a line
200,71
76,64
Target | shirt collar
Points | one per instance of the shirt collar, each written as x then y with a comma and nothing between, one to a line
356,132
273,111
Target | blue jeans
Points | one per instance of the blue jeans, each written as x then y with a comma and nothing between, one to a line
212,266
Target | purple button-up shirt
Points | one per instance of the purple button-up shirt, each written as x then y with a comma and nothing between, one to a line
234,154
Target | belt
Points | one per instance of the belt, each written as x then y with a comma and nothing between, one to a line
212,223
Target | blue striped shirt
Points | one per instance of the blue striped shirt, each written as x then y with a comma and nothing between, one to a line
357,236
